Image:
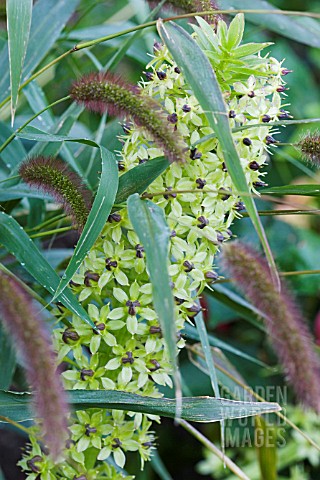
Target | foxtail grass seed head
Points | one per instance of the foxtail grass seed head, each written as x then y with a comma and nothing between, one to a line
102,92
53,176
26,328
286,328
310,148
190,6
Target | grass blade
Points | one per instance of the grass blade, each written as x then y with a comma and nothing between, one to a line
188,55
15,151
194,409
159,467
192,333
225,370
210,363
150,224
21,191
17,242
19,13
303,190
138,179
37,135
231,299
38,101
97,218
266,448
203,335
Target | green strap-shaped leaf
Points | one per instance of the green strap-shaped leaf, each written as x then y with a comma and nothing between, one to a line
149,222
229,378
303,190
19,13
14,152
266,448
97,218
192,333
238,304
21,191
194,409
203,334
158,466
32,133
17,242
202,79
205,343
138,179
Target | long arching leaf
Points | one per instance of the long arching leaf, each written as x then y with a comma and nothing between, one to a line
194,409
19,13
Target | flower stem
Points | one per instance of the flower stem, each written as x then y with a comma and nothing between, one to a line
61,216
10,178
52,232
15,424
210,446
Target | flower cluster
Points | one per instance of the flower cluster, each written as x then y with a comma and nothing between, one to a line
200,206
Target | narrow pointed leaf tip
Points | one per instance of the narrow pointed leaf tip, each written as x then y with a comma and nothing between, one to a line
102,92
288,333
52,176
190,6
22,322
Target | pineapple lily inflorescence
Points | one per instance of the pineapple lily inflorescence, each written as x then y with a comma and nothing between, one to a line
113,283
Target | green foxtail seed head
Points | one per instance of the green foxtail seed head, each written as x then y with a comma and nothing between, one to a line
288,333
101,91
22,322
52,176
310,148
